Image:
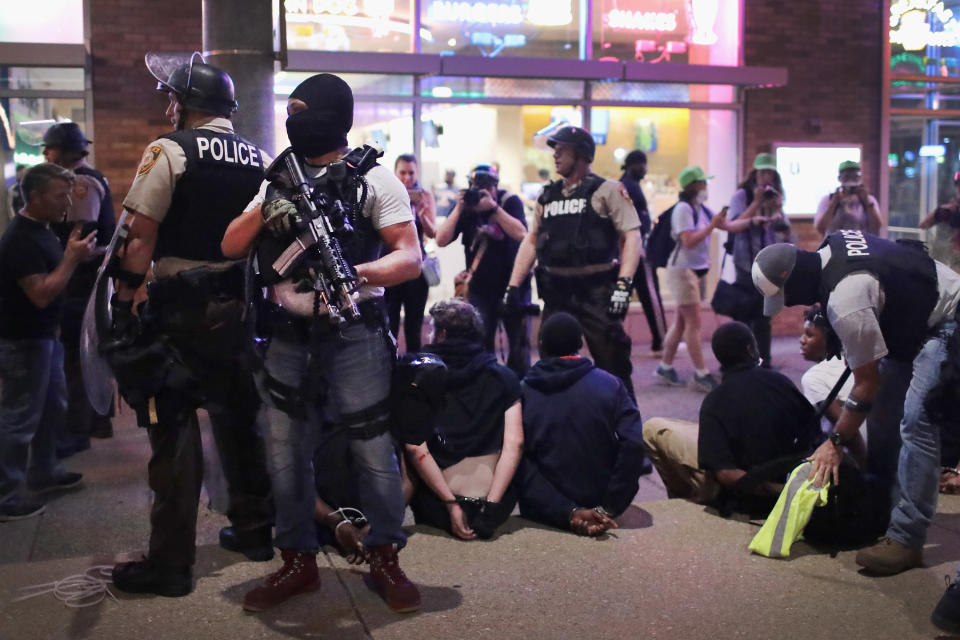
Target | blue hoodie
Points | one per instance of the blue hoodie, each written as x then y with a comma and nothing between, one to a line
583,441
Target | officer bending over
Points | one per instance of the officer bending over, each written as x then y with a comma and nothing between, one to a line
189,186
320,376
580,224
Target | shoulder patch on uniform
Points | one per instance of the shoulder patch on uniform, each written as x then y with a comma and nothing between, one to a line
625,195
150,158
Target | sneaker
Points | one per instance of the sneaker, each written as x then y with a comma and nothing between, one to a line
669,376
298,575
946,615
21,510
388,579
889,557
705,383
146,576
66,480
256,544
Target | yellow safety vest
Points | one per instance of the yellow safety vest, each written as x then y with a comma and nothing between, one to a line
790,515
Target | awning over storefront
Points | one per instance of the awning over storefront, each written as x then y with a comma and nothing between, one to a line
508,67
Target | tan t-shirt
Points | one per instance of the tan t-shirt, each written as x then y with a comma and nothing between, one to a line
85,199
610,200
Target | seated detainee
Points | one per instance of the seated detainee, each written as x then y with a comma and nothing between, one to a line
583,452
754,417
467,465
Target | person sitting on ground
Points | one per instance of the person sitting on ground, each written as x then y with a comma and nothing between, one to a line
467,465
584,449
755,416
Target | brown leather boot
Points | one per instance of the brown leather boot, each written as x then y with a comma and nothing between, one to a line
297,575
387,578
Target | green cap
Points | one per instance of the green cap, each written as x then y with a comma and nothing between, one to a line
848,165
765,161
690,175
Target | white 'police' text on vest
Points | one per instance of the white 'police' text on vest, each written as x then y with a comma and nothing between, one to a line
228,151
855,243
572,206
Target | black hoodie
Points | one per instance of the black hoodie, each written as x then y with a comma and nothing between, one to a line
478,392
583,441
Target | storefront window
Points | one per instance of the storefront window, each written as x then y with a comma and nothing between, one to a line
348,25
48,21
925,37
24,120
462,87
532,28
42,78
694,31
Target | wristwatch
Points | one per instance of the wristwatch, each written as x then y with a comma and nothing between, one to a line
836,439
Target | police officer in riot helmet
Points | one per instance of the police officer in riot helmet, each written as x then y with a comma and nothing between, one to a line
183,349
580,224
492,224
328,357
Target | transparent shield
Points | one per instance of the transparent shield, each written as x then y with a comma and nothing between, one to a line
32,131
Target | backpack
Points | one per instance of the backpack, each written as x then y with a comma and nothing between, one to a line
660,243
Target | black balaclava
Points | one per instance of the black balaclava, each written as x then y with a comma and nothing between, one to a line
560,335
734,346
803,285
323,126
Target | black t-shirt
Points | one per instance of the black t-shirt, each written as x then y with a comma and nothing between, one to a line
27,248
753,417
493,273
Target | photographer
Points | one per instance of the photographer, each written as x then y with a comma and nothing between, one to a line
850,206
412,294
943,237
756,219
492,224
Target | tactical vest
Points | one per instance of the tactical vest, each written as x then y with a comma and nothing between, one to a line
222,175
364,245
571,233
908,278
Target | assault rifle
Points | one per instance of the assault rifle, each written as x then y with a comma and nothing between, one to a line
323,218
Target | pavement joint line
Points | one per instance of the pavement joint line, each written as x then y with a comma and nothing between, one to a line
36,537
346,589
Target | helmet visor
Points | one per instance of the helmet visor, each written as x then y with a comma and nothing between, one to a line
161,65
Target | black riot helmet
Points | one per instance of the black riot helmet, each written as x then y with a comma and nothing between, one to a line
198,86
577,137
67,137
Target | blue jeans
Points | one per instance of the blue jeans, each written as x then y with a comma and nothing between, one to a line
33,406
356,365
918,469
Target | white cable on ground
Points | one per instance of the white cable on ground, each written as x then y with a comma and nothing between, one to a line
81,590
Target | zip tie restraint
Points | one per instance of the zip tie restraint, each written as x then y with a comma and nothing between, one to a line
77,591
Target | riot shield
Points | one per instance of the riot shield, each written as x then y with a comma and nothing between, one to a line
97,376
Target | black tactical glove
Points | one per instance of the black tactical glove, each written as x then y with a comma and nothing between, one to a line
510,304
125,327
620,299
279,216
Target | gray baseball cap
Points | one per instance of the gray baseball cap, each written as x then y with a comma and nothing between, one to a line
771,268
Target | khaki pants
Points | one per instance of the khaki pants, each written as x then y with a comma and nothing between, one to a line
672,447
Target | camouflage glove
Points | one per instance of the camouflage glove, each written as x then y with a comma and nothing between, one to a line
279,216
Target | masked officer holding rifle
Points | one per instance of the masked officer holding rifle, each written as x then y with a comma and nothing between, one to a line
317,230
183,349
585,239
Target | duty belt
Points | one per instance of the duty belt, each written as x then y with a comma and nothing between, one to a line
197,285
588,270
295,328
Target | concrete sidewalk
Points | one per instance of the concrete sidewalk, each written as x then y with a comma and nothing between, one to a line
672,570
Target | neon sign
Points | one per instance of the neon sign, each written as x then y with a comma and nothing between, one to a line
538,12
642,20
910,25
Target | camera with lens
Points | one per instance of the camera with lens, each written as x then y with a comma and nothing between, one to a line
472,197
850,189
769,193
